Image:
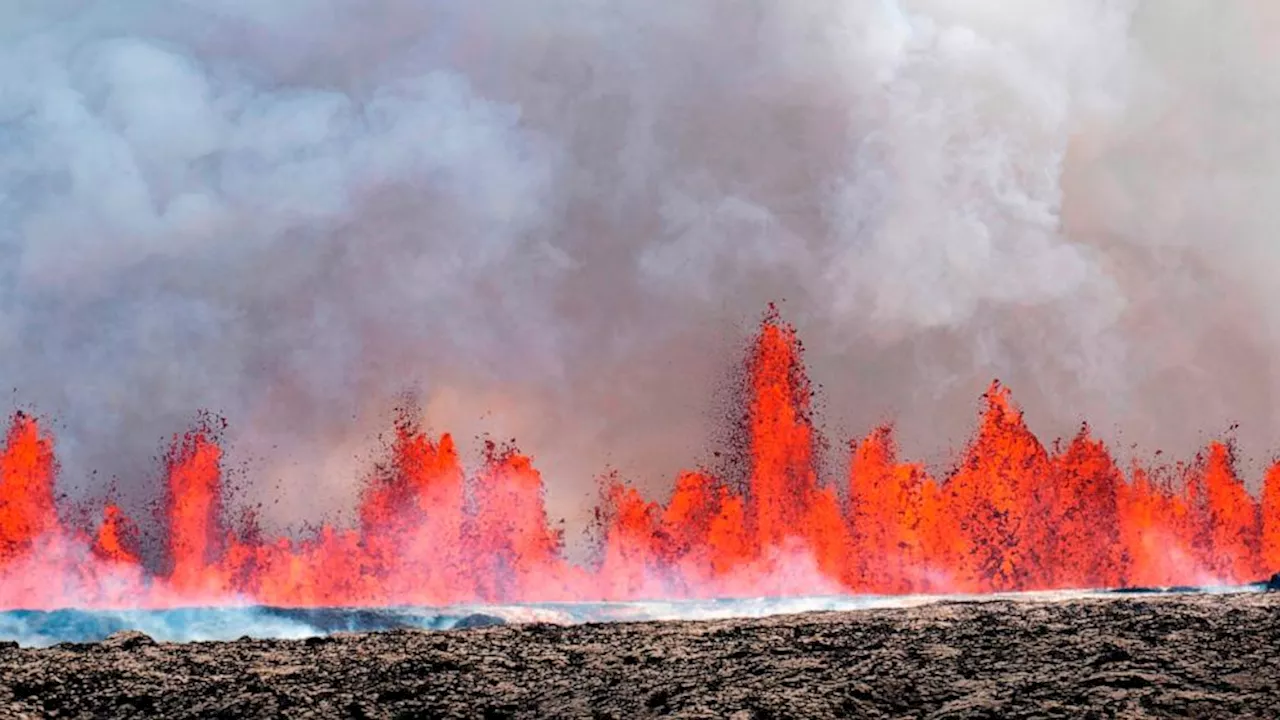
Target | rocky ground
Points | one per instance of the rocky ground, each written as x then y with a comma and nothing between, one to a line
1137,656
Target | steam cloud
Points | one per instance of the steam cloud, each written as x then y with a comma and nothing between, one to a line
556,219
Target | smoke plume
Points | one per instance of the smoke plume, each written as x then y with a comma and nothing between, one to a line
553,221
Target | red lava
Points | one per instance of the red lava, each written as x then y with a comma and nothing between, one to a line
1015,514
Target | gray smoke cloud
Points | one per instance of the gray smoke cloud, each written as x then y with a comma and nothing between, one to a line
558,220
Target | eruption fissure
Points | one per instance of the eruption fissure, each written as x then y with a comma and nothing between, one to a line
1014,515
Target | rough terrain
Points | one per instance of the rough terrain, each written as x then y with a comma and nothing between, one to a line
1135,656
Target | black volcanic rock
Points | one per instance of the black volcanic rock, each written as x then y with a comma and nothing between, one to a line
1119,656
1274,582
478,620
127,640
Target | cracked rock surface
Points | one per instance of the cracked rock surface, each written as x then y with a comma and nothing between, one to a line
1154,656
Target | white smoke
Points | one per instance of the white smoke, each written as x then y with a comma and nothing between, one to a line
206,624
570,211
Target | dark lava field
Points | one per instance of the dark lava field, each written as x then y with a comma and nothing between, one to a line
1196,656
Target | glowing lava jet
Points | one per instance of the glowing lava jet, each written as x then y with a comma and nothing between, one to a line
1014,515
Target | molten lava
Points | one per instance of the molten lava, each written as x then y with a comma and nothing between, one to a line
1014,515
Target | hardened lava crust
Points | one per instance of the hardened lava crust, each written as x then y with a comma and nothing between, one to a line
1125,656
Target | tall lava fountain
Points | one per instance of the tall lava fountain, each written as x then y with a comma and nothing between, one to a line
1014,515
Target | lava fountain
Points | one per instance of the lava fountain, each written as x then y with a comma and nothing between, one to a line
1014,515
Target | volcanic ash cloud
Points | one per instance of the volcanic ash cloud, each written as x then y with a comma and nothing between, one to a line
569,212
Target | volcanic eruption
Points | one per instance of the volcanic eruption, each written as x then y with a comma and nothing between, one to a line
329,325
1013,515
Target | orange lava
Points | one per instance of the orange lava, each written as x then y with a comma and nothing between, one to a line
1013,515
